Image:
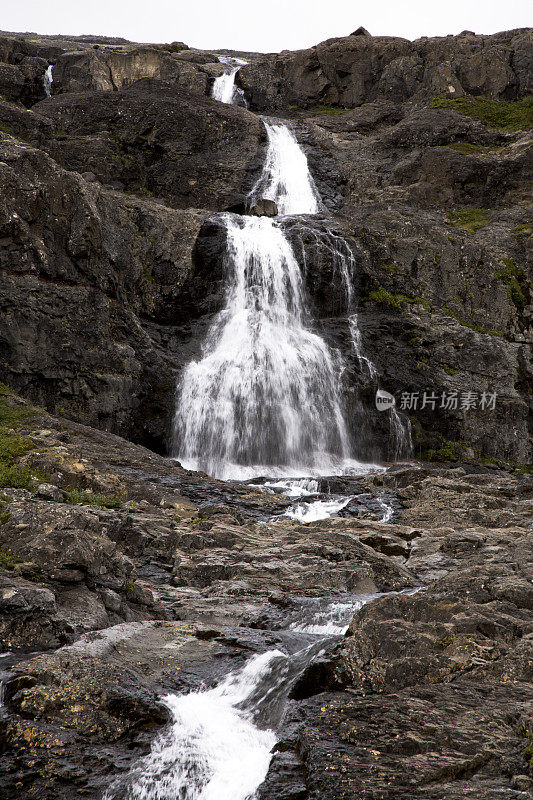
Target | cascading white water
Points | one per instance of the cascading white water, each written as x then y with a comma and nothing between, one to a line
265,395
286,178
224,89
214,748
48,81
213,751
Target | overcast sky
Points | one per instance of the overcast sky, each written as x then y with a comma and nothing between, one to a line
261,25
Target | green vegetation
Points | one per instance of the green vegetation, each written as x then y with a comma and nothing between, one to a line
147,274
173,47
8,559
528,752
526,229
331,111
450,451
516,115
75,498
391,269
469,219
470,325
515,280
13,446
446,641
4,512
385,298
470,149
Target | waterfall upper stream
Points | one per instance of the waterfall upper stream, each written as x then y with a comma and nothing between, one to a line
224,89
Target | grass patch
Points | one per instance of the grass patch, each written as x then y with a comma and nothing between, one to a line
385,298
8,559
13,415
14,446
515,280
77,498
330,111
515,115
469,219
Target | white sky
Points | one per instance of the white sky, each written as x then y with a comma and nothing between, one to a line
261,25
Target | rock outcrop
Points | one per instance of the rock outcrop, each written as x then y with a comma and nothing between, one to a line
137,578
129,159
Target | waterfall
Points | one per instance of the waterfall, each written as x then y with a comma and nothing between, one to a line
286,178
266,392
266,395
48,81
224,89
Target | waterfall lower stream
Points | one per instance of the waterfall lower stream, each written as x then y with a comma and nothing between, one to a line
218,745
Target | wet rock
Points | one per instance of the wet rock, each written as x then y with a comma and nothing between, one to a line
264,208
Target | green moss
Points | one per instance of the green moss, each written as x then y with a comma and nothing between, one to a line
469,219
516,115
448,452
147,274
515,280
391,269
446,641
385,298
526,229
528,752
471,149
450,371
331,111
75,497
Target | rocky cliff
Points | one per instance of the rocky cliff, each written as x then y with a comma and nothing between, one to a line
421,151
122,575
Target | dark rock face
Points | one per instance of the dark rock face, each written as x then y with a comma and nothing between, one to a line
358,68
117,232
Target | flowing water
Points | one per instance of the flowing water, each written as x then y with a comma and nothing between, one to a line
218,746
264,399
224,89
266,396
48,81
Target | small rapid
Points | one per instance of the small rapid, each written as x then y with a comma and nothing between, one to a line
219,743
